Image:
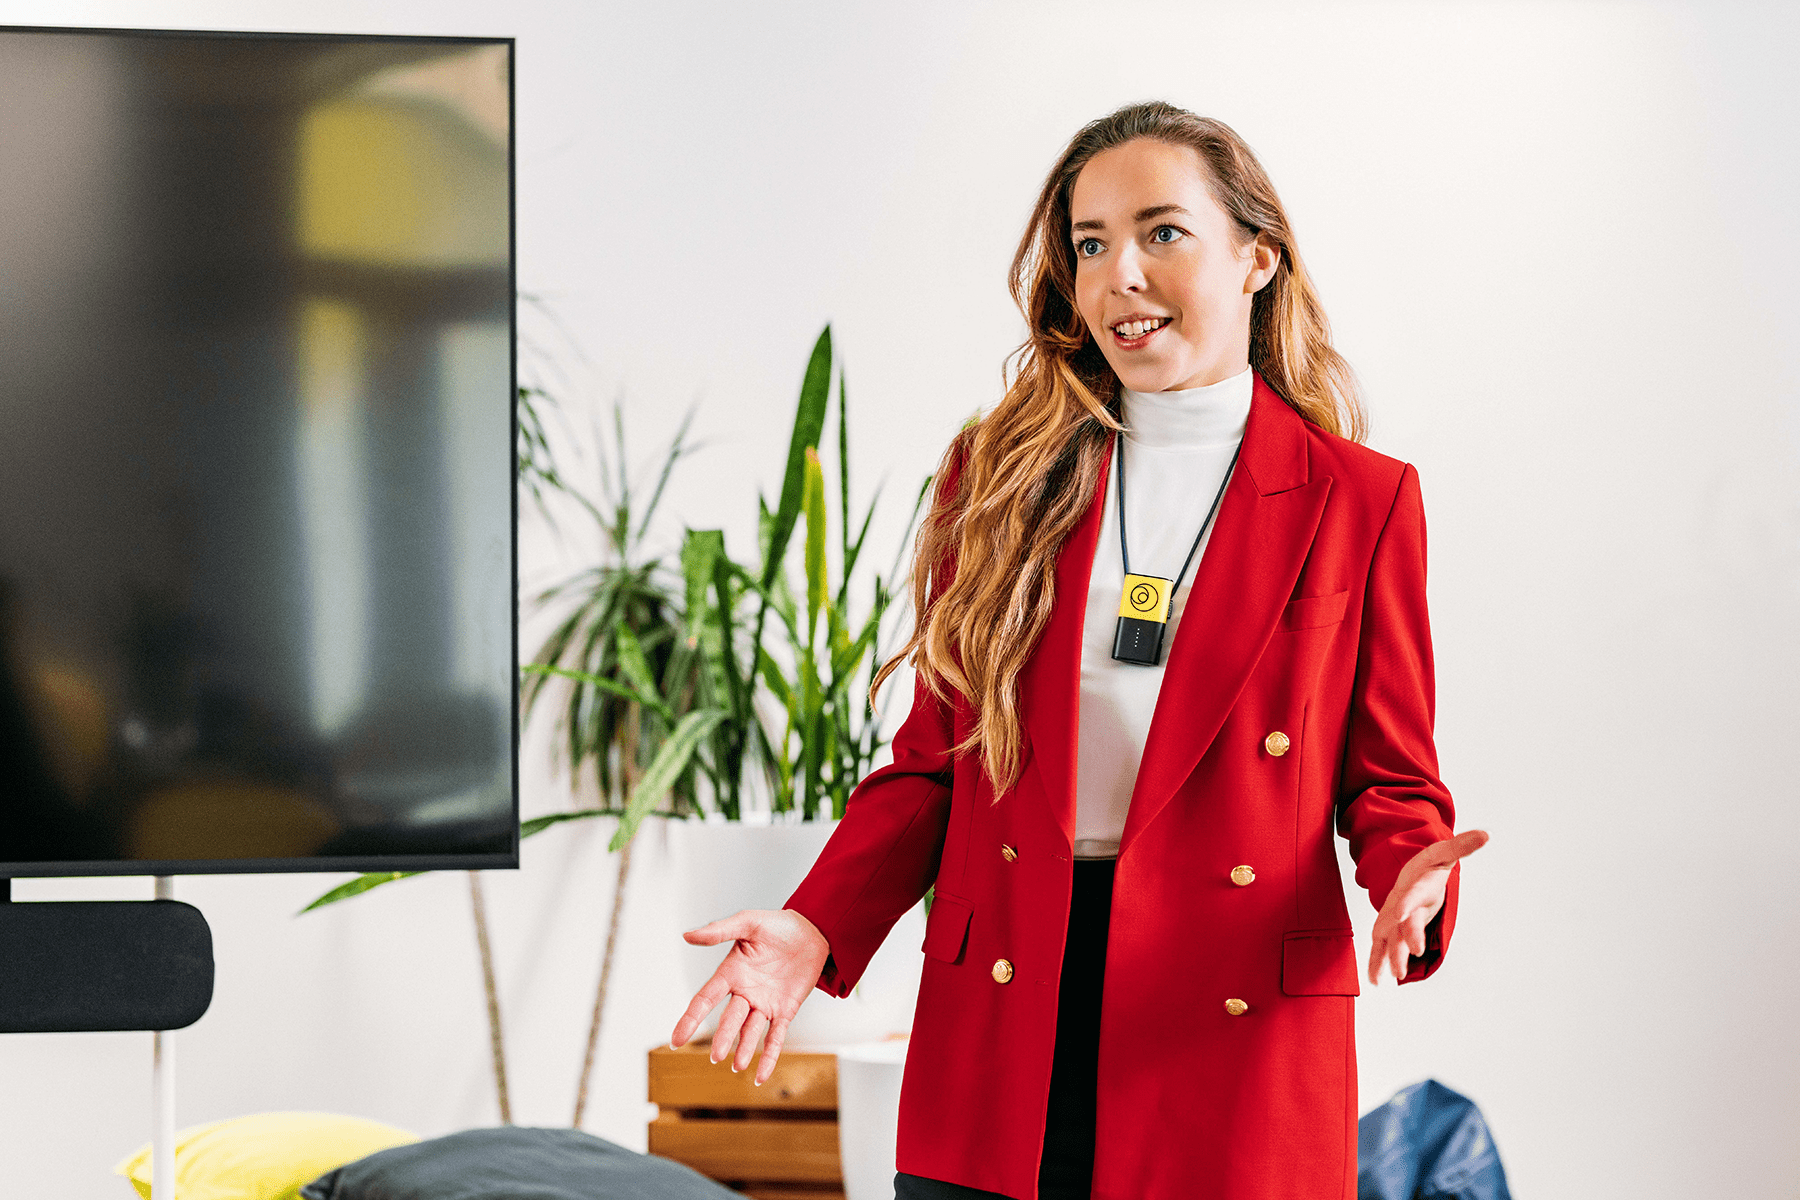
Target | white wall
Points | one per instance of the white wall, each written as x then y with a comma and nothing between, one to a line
1557,242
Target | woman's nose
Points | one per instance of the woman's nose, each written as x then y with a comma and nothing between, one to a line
1128,270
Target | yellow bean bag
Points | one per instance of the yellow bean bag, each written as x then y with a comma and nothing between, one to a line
268,1156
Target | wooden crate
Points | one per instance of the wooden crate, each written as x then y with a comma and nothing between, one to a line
774,1142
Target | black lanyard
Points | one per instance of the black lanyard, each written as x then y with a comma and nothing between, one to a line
1138,638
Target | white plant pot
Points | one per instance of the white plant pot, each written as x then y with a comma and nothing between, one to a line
868,1076
724,867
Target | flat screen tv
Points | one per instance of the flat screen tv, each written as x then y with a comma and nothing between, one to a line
257,389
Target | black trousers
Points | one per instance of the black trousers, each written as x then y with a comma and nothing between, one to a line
1067,1165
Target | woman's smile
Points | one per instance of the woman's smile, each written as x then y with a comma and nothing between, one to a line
1136,333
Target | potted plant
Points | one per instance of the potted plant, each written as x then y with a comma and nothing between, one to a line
731,699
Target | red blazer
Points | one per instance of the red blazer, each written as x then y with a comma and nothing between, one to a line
1307,617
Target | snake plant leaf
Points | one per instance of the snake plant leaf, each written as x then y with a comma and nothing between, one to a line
853,550
812,704
778,597
844,466
911,522
671,760
765,527
815,541
845,660
634,664
838,633
701,550
357,887
722,636
809,423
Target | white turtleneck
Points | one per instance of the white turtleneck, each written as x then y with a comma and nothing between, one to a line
1178,446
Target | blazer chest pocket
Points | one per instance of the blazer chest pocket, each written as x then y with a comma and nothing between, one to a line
947,928
1318,962
1309,612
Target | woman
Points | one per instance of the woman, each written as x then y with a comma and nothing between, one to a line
1139,965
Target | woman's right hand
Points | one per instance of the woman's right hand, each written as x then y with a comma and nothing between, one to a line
768,973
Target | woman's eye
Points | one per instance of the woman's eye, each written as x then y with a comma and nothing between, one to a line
1082,247
1156,235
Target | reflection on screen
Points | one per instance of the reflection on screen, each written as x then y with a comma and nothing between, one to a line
256,573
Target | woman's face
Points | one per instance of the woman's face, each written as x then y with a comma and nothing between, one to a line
1160,279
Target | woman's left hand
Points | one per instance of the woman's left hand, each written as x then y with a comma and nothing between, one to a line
1416,898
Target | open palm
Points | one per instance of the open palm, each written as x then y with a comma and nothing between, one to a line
775,961
1416,897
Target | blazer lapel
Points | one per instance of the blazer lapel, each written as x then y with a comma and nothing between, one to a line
1050,682
1260,540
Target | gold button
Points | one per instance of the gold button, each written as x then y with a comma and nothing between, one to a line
1277,743
1002,971
1243,876
1008,853
1236,1008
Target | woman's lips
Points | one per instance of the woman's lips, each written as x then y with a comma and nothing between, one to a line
1139,342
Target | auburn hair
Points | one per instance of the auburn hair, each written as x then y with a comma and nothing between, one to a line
1014,483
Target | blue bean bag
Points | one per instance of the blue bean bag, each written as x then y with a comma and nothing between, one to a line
1427,1143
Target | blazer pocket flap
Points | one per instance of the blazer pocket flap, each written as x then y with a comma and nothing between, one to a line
947,927
1319,962
1311,611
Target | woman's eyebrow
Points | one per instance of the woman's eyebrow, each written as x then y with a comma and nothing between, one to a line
1139,217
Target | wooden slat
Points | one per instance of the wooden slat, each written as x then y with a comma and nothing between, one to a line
687,1078
776,1191
777,1151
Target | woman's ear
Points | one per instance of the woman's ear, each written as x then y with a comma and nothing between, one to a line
1265,257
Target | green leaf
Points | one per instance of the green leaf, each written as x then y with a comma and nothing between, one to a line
844,662
811,739
907,537
678,446
853,550
839,639
357,887
648,699
700,553
815,541
844,466
539,824
772,677
671,760
809,423
765,527
635,665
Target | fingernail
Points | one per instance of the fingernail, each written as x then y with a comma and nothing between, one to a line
758,1083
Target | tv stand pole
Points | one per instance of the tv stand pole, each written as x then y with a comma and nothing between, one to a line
162,1093
81,966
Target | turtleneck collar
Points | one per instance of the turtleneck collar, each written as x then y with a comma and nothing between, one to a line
1181,420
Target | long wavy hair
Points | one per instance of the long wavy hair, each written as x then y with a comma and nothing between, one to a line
1013,484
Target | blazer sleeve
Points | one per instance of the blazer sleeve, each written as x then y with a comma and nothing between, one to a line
885,852
1392,804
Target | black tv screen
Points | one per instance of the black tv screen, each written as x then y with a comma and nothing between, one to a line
257,387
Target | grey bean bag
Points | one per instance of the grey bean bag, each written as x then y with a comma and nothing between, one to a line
512,1163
